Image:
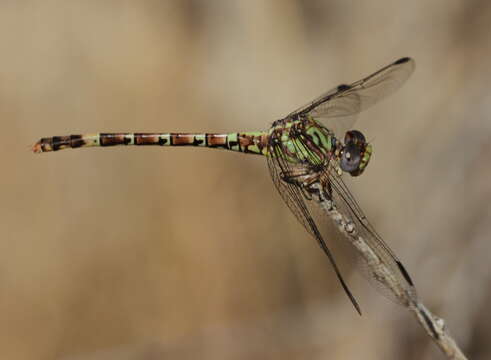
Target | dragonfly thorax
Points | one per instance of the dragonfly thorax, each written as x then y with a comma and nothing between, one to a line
303,141
308,142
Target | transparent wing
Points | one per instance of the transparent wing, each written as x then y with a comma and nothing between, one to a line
295,199
346,101
289,178
347,205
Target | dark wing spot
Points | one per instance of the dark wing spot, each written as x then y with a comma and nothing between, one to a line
402,60
343,87
404,273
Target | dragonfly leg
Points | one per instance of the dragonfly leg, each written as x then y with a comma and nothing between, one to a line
303,178
310,186
327,190
294,176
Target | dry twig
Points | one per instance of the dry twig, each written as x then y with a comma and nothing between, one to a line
434,326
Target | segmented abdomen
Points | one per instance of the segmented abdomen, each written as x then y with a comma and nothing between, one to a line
247,142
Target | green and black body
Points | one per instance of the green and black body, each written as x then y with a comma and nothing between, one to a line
306,159
300,141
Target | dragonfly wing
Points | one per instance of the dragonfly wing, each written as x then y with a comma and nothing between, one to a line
349,208
346,101
296,201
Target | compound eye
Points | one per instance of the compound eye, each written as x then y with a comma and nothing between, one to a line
350,160
355,137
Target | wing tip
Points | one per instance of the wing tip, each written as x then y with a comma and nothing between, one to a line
403,60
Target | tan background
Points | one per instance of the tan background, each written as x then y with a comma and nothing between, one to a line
151,253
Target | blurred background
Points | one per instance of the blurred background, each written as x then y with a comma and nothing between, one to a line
182,253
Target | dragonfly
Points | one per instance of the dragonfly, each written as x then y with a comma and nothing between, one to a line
307,157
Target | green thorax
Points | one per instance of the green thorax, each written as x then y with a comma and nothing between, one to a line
303,140
306,141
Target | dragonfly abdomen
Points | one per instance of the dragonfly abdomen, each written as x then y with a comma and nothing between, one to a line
247,142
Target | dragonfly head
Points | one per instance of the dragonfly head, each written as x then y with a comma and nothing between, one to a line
355,154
